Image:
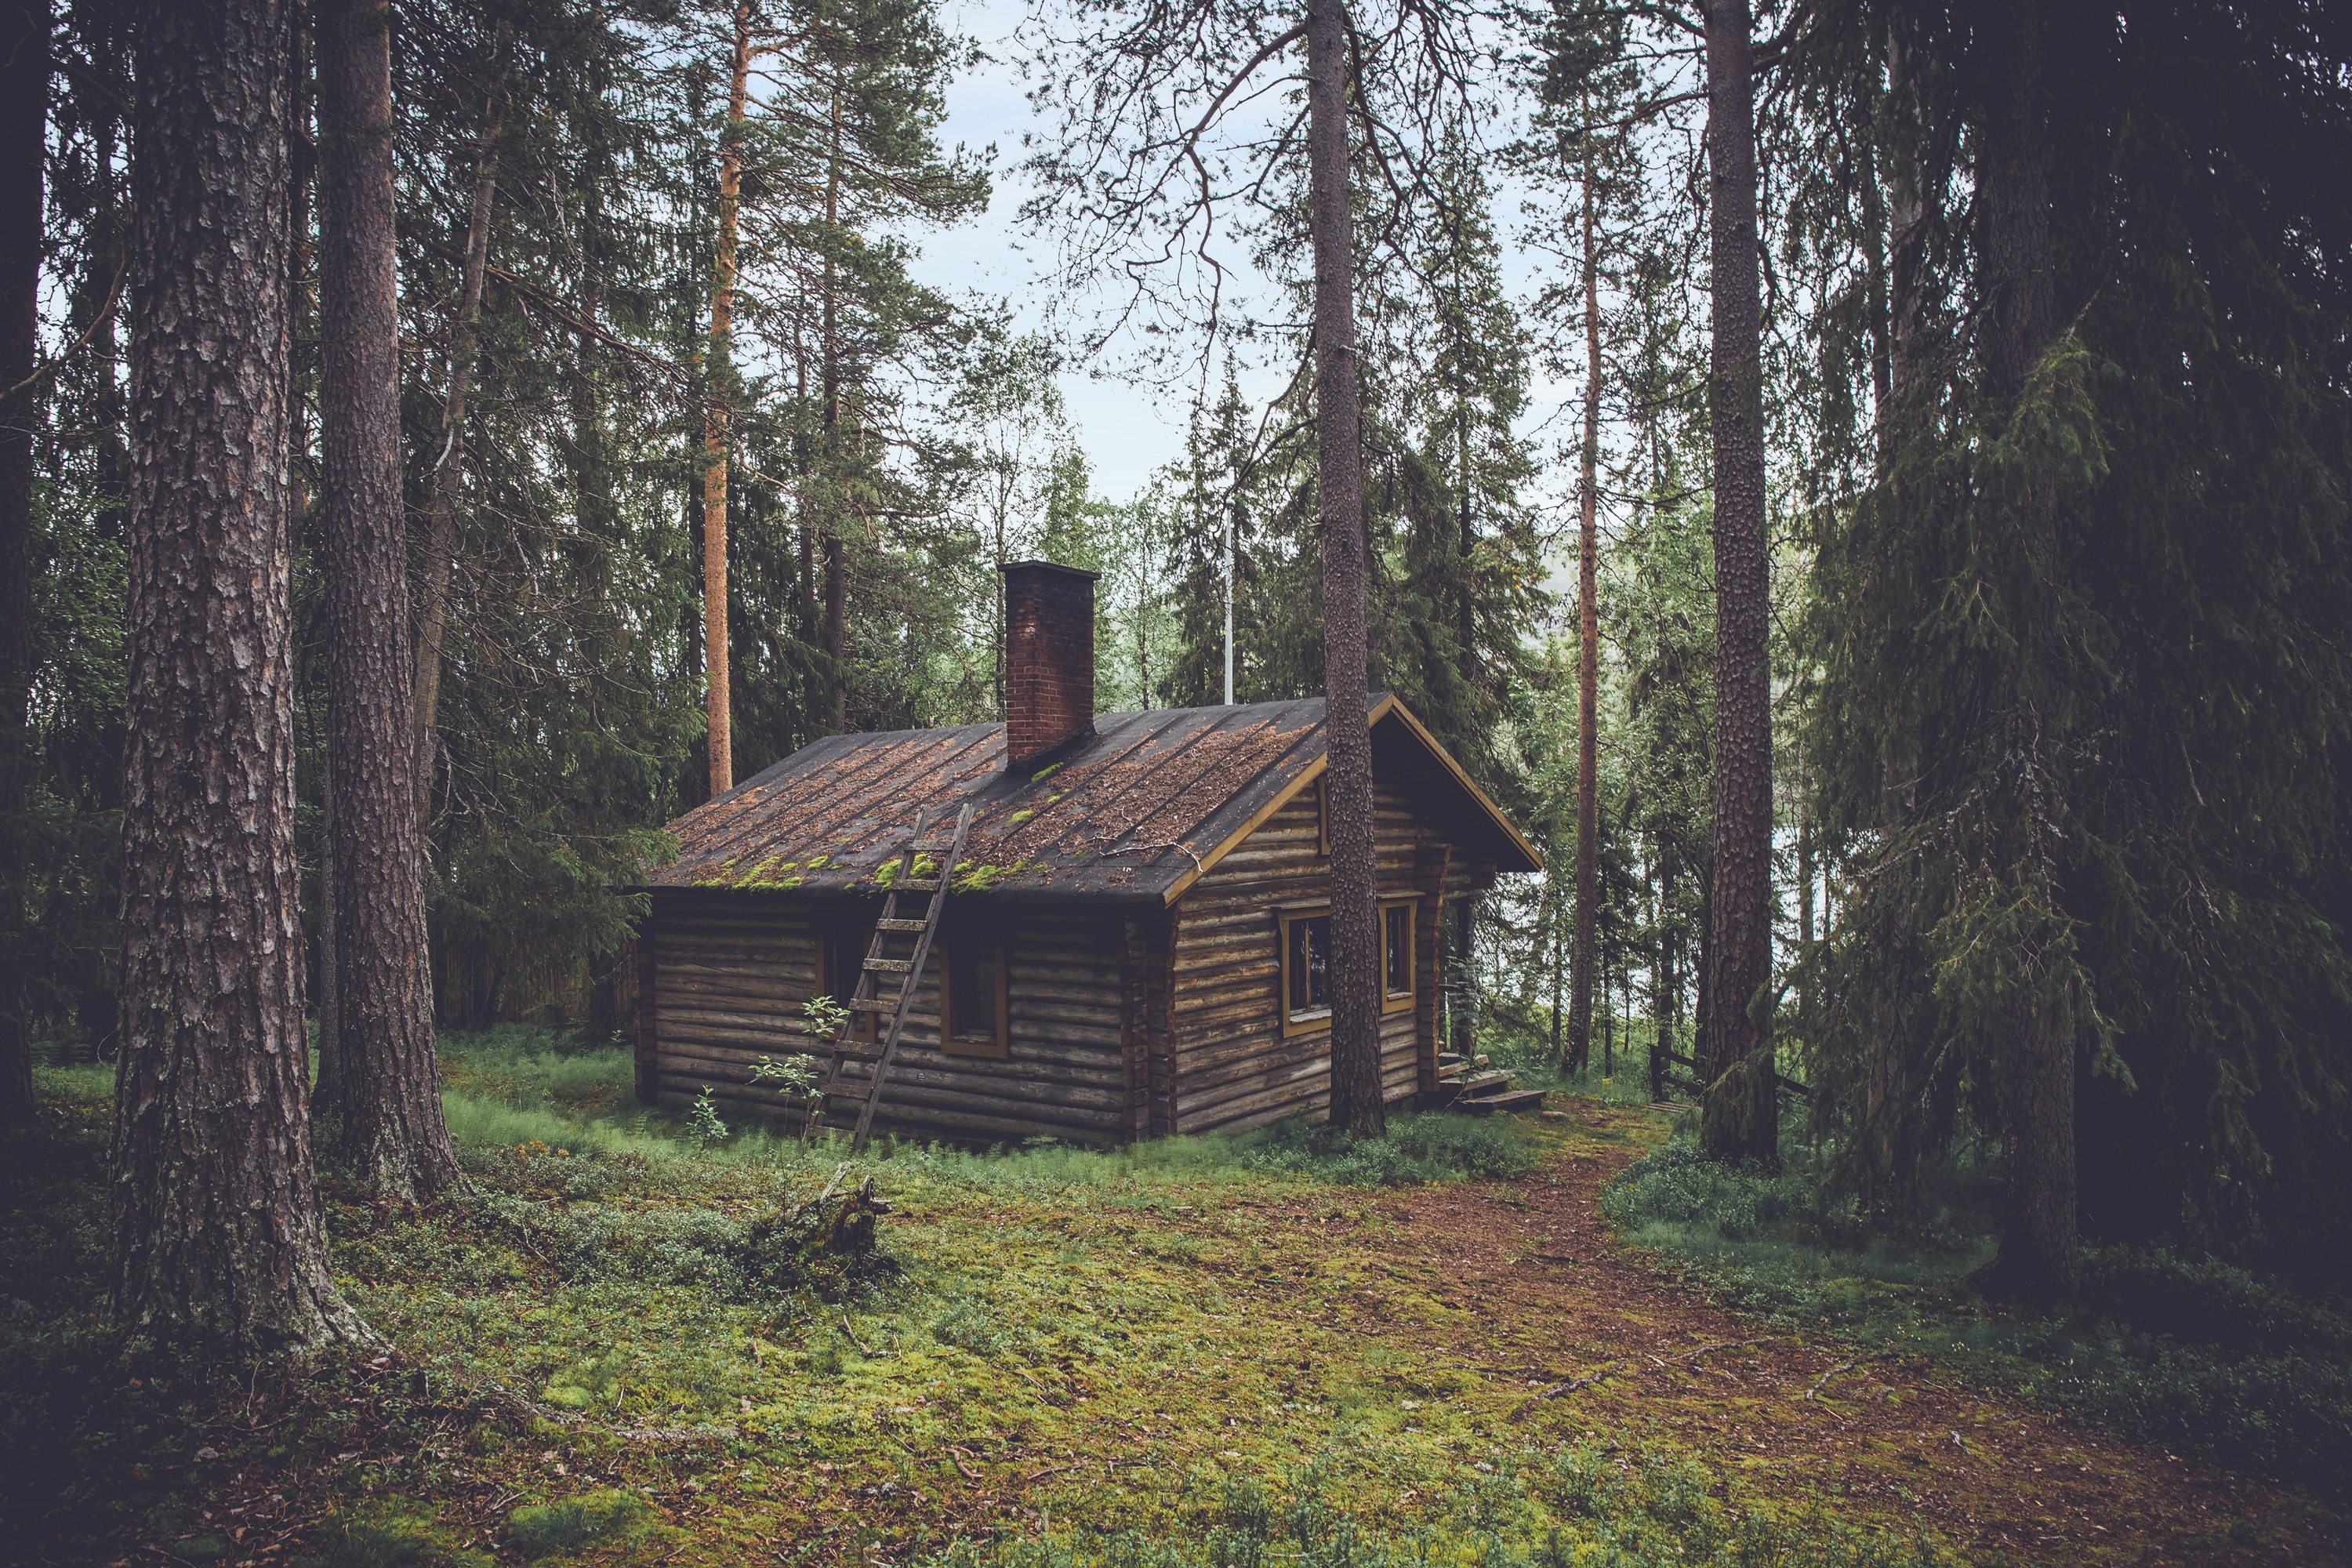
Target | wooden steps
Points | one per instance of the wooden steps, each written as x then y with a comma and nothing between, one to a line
1472,1085
1509,1101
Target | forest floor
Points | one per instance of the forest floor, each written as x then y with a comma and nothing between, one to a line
1071,1358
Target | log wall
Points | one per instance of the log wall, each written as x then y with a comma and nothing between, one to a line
732,971
1124,1025
1234,1068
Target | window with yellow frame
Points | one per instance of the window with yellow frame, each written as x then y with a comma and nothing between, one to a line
1399,953
1305,940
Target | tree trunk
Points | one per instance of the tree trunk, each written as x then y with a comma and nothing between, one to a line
391,1131
1355,1100
715,695
1588,662
326,1094
1907,229
213,1220
1558,971
24,120
836,577
2017,298
1741,1115
1889,1161
450,457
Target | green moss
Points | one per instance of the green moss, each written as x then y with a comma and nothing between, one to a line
1042,774
543,1530
1018,818
391,1532
980,877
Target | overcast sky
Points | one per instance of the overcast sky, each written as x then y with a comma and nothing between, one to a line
1127,431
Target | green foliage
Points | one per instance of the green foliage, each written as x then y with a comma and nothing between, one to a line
702,1122
2191,1353
2160,871
1430,1146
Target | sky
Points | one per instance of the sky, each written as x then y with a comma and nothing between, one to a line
1127,431
1124,429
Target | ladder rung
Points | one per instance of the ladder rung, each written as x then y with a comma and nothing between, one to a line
900,925
888,966
929,846
872,1004
914,885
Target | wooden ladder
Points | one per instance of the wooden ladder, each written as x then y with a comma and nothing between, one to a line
864,1001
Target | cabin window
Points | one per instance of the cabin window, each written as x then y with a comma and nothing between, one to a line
1397,955
975,996
1305,973
843,945
1306,979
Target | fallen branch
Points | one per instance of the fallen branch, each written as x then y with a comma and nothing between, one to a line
1562,1390
1814,1391
1710,1350
956,1456
853,1338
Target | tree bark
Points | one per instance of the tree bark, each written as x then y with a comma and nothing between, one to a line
1889,1151
441,484
24,120
391,1131
1355,1100
715,704
1906,228
2017,297
837,576
1588,662
1740,1119
213,1218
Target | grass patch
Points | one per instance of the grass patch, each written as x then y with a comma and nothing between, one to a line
1524,1508
616,1347
601,1517
395,1533
2193,1355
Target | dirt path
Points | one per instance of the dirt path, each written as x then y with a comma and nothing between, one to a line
1562,1305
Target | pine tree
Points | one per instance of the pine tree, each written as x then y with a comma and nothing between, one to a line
390,1126
1741,1118
215,1227
23,126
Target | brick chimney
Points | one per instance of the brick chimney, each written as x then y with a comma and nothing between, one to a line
1049,659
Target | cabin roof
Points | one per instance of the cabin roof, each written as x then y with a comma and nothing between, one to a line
1135,813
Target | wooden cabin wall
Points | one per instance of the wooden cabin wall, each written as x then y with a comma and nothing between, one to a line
1234,1068
729,974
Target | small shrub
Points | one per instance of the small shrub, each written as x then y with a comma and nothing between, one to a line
702,1122
1431,1147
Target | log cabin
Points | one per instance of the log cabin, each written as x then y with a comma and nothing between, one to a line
1135,940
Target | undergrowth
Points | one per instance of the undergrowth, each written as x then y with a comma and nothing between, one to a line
517,1086
2192,1353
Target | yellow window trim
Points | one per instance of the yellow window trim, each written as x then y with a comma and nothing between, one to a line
1392,999
1288,915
